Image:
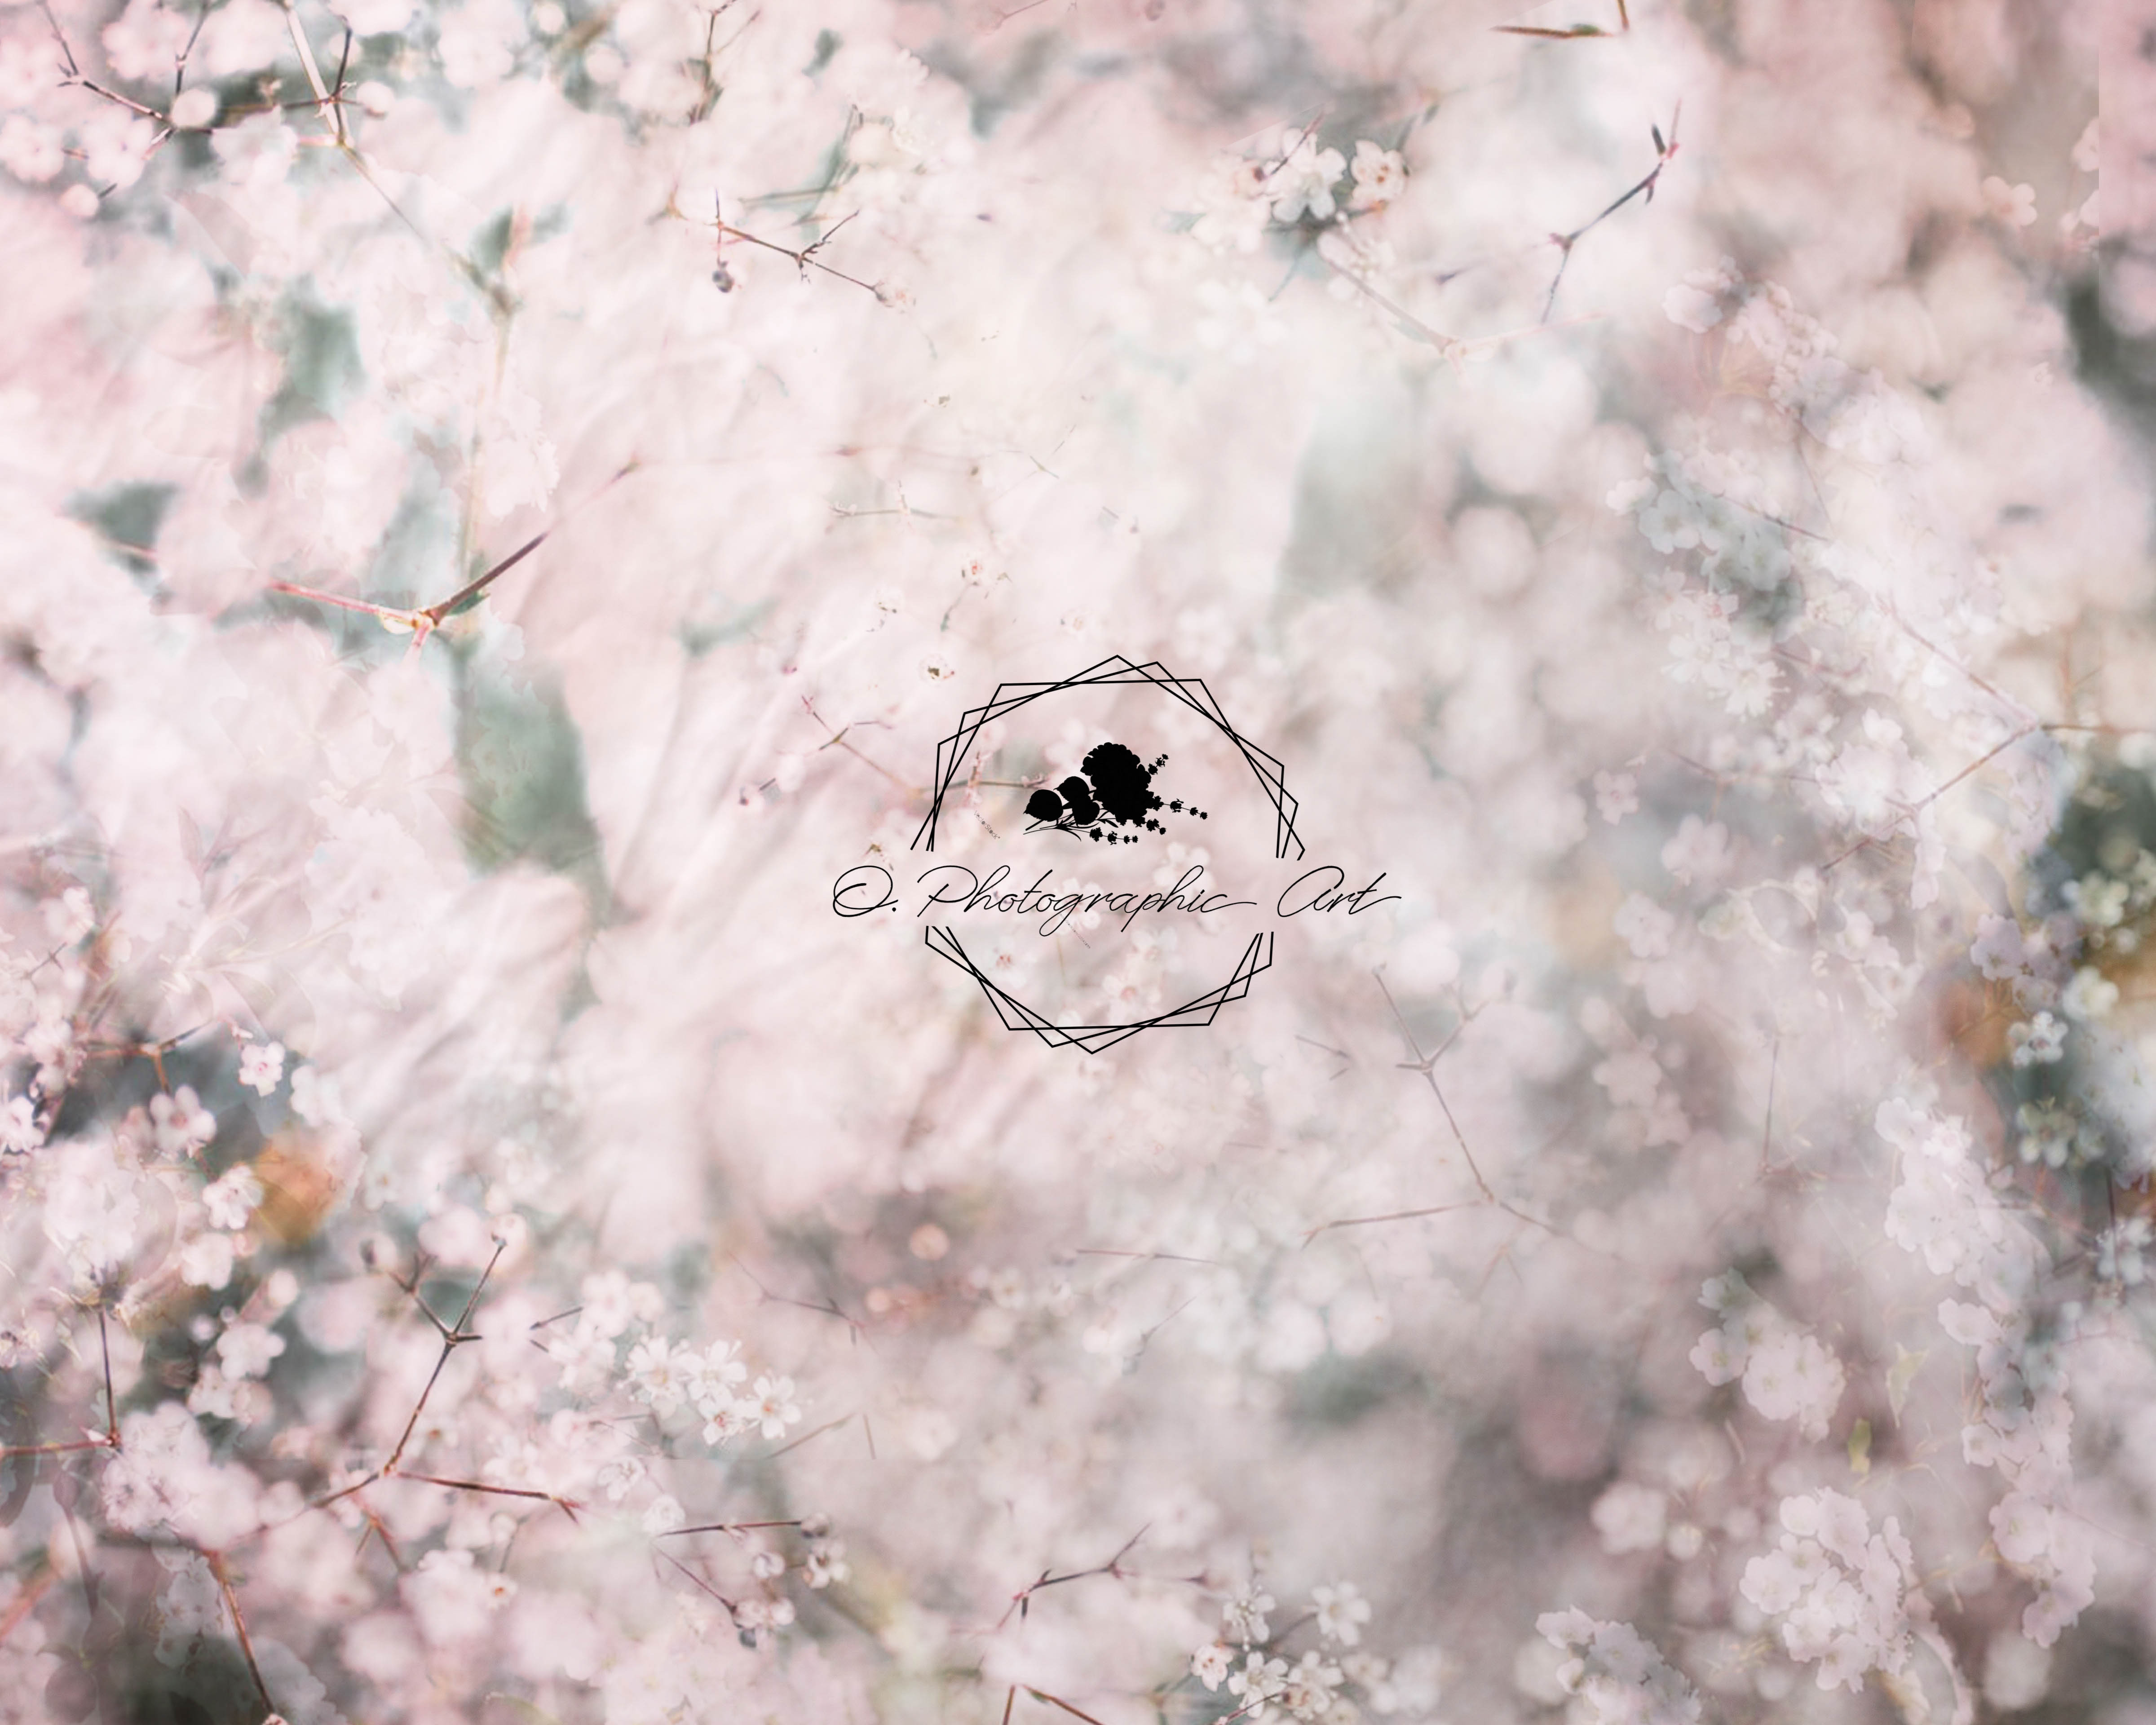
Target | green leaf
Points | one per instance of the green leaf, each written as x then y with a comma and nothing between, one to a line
128,517
320,346
521,759
1898,1376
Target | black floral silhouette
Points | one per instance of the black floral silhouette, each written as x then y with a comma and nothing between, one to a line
1116,792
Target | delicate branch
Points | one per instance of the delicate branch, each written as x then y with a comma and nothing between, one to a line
423,622
804,258
1054,1700
1436,1209
1424,1065
568,1507
1572,32
829,1308
240,1625
725,1527
111,1407
26,1600
828,1425
1022,1600
1666,150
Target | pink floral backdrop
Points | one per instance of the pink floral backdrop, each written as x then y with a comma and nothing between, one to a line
502,502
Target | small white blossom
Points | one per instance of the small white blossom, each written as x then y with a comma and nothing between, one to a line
183,1126
233,1197
1305,182
2040,1042
246,1350
826,1563
1341,1611
1243,1618
1260,1680
1379,174
1616,795
206,1260
262,1066
774,1408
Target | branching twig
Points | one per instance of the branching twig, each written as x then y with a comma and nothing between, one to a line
724,1527
1022,1600
1426,1064
568,1507
423,622
1666,150
804,257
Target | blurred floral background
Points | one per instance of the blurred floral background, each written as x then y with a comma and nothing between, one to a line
502,501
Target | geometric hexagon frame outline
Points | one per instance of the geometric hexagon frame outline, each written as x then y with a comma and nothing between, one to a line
1016,1015
951,753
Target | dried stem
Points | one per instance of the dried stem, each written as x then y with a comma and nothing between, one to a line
1666,150
240,1625
1021,1601
423,622
1571,32
1057,1701
1425,1064
26,1600
567,1505
804,257
453,1338
111,1407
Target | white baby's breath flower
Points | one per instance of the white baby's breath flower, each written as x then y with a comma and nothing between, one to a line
1379,175
1341,1611
774,1408
262,1066
1304,182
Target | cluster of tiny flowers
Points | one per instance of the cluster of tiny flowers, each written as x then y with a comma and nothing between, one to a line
1244,195
666,1376
1618,1676
1846,410
1262,1680
1944,1209
1845,1595
1788,1372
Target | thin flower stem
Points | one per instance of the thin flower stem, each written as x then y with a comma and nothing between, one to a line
1666,150
1022,1597
240,1625
332,112
423,621
1572,33
10,1451
1438,1209
111,1407
829,1425
26,1600
567,1507
1057,1701
699,1582
451,1340
804,257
